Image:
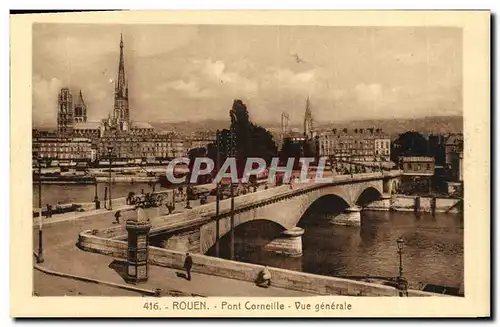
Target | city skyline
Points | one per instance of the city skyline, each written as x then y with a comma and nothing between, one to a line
197,72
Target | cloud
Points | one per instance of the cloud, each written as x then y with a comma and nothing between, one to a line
45,94
207,67
190,89
368,92
208,78
232,81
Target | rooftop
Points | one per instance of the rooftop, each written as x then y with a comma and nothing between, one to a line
417,159
141,125
87,125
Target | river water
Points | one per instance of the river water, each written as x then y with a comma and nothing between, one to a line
433,251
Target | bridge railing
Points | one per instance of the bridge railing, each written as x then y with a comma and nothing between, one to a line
205,212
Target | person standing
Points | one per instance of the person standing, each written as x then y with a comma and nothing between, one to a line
117,216
188,263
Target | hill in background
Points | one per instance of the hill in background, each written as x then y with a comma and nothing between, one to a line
426,125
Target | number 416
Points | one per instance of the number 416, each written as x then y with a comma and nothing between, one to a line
151,306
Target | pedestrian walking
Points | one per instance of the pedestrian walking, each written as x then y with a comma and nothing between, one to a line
170,208
188,263
117,216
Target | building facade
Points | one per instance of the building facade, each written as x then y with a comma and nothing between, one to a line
454,148
55,149
418,174
367,145
77,138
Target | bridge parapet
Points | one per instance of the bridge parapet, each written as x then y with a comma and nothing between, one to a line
204,213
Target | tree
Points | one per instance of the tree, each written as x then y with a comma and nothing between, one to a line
409,144
251,140
291,149
192,155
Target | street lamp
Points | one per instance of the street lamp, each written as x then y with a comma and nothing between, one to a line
232,153
401,281
188,191
401,244
96,198
110,150
217,194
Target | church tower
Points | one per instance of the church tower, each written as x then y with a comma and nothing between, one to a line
308,121
121,110
65,112
80,112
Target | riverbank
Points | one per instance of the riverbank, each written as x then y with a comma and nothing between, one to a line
415,203
131,179
426,204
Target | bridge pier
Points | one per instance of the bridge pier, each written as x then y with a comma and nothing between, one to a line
384,204
289,243
185,242
350,217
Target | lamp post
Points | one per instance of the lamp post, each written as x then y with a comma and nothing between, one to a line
188,190
110,150
96,197
39,257
232,153
402,283
173,190
217,194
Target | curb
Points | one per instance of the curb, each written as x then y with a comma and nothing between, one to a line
63,220
145,291
96,281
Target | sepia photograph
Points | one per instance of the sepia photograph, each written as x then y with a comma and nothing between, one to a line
283,161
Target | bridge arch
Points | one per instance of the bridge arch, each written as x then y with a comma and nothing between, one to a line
250,234
367,196
324,205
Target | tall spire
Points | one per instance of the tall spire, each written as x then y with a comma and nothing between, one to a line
80,112
121,86
80,99
308,120
121,110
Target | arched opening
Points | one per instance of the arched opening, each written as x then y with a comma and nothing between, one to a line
326,206
249,240
368,196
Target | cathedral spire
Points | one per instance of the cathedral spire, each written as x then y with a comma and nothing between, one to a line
80,112
121,86
80,99
121,109
308,120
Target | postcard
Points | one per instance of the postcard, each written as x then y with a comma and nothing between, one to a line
250,164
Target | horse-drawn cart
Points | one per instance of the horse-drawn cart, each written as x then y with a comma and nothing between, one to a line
147,200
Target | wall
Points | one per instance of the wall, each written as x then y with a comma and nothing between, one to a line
407,203
185,242
316,284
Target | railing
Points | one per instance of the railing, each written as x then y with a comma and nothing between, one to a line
205,213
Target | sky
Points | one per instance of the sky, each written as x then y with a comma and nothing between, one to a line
194,72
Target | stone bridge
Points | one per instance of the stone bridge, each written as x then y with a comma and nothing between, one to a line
198,229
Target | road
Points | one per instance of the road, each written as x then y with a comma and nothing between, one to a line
62,255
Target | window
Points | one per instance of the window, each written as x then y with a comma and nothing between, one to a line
428,166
